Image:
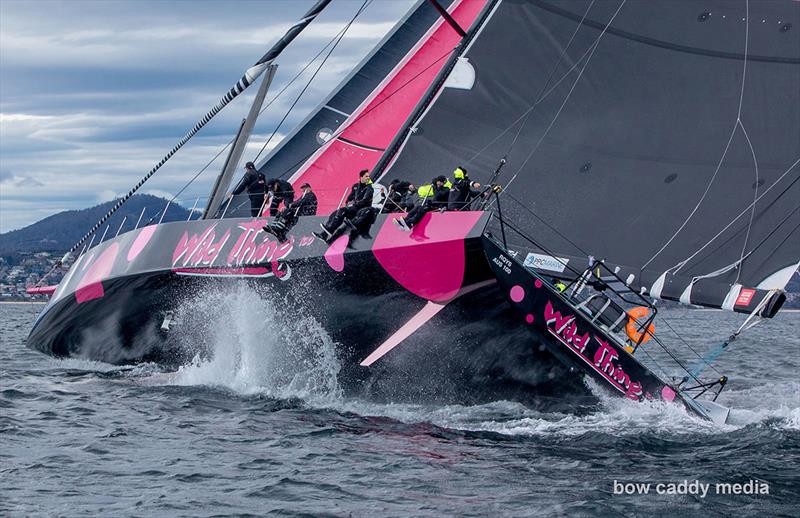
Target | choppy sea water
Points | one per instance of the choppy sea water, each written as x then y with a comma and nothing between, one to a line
263,427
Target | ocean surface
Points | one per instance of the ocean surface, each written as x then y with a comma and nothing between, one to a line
245,433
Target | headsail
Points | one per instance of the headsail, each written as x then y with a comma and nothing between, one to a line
350,129
663,137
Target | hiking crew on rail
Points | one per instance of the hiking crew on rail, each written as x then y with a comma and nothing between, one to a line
358,213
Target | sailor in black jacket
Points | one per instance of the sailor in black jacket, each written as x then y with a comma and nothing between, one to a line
305,205
256,187
463,190
401,194
432,196
360,197
282,191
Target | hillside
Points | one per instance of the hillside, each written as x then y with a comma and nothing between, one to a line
57,233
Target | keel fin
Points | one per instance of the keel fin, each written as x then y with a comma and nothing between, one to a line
426,313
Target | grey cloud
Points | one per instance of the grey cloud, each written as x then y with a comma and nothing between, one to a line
10,178
94,93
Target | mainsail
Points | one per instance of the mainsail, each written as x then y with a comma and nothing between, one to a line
662,137
351,128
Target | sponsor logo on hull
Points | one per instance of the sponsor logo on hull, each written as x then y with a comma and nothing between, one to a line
545,262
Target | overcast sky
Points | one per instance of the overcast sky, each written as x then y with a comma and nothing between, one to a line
94,93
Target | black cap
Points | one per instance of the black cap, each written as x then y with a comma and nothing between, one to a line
249,165
305,185
440,178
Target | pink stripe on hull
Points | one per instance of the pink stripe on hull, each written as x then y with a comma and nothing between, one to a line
426,313
90,286
144,236
334,255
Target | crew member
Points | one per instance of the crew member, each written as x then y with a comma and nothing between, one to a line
281,191
432,196
398,190
256,187
305,205
463,190
360,197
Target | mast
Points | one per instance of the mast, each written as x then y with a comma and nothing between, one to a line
449,19
246,129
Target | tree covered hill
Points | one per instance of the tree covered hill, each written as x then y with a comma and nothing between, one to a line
57,233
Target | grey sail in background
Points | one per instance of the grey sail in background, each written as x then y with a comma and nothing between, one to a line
661,136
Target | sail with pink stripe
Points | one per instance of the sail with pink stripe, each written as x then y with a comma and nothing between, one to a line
370,129
350,129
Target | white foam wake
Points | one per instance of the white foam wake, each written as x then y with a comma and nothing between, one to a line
255,345
615,416
250,344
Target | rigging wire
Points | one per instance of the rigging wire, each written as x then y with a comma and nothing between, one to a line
727,146
533,106
277,96
594,47
701,357
311,79
549,78
337,133
548,225
683,263
656,339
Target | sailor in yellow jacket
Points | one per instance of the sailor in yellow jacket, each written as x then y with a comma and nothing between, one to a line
432,196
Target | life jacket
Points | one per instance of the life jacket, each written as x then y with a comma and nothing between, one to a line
636,318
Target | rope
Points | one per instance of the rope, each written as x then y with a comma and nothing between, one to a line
311,79
755,198
727,146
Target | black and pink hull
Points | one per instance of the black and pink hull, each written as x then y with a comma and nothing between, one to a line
116,301
371,293
577,340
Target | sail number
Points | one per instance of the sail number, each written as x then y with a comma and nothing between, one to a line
503,262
